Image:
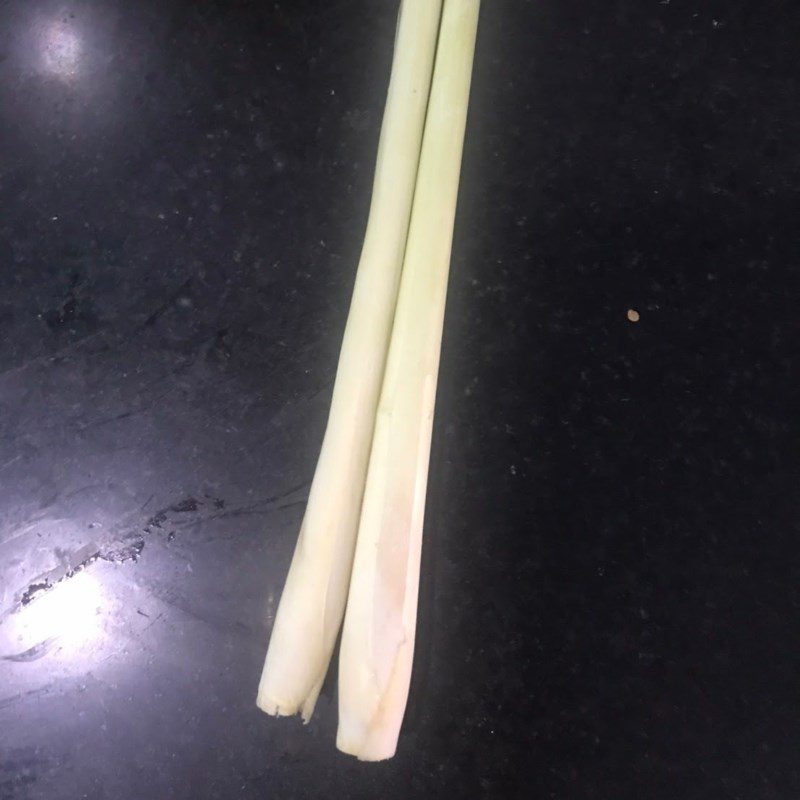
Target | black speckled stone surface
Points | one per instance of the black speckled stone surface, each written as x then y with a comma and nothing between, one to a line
610,604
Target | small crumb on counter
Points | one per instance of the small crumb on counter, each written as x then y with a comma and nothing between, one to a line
633,315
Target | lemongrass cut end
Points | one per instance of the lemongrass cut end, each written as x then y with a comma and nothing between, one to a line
271,705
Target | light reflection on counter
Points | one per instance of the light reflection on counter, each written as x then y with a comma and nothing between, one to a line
66,619
61,49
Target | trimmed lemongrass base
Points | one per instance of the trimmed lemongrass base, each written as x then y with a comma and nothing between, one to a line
312,605
380,623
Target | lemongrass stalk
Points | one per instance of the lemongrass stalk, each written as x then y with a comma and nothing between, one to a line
378,636
312,604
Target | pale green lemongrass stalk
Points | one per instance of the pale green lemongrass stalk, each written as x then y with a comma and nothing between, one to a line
312,605
380,622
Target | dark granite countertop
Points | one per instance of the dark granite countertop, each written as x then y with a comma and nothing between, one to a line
609,604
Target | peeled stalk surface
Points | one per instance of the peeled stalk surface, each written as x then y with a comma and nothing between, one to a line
312,604
380,622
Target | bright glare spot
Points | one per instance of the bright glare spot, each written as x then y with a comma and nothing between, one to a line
61,49
68,615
